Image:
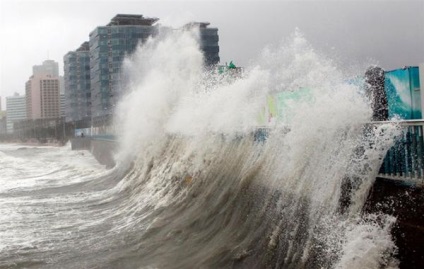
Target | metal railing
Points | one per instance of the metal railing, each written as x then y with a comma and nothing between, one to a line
405,159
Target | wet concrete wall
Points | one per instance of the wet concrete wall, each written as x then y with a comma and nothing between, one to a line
406,203
102,149
81,143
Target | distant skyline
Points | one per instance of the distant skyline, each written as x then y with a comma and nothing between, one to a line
390,33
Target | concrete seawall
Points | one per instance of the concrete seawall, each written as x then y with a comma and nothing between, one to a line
406,203
102,149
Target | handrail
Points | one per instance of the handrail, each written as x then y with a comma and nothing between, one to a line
404,161
401,122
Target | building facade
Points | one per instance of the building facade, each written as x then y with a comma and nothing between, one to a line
42,97
92,73
77,96
16,111
3,123
42,91
209,41
62,105
108,46
49,67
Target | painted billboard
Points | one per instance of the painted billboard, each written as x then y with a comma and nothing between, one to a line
403,93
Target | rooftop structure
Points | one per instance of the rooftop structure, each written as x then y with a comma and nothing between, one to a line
193,24
129,19
84,46
48,67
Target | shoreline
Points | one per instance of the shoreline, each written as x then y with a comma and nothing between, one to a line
36,143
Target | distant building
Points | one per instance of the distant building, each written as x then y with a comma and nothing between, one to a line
16,110
3,118
49,67
42,91
42,97
77,94
92,73
209,41
108,46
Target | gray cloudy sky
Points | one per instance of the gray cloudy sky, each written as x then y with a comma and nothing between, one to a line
388,32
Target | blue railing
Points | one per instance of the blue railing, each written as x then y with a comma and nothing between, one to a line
405,160
106,137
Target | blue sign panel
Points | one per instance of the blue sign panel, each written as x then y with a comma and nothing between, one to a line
403,93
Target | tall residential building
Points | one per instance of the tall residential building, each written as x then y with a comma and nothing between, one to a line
208,41
16,110
77,84
108,46
42,97
49,67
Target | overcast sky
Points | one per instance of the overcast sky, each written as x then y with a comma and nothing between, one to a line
388,32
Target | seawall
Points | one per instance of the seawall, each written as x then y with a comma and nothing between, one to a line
406,202
102,149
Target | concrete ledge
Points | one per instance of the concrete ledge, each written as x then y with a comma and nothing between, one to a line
403,180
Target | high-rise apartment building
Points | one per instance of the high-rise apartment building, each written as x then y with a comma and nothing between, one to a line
42,97
95,93
209,41
42,91
77,84
16,110
108,46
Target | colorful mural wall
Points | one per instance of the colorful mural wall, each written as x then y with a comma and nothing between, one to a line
402,87
279,105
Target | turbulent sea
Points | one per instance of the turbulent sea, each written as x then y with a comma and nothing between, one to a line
193,186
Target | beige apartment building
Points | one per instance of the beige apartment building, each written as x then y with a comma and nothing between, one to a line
43,96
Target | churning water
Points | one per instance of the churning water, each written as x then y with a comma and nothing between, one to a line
193,188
